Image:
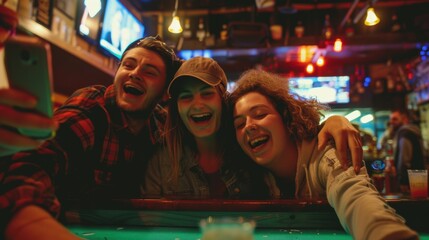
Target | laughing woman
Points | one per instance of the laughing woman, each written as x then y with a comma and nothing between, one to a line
278,131
196,160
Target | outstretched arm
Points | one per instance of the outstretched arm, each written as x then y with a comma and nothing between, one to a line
10,140
32,222
347,140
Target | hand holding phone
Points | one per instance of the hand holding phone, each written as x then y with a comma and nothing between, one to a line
29,70
11,141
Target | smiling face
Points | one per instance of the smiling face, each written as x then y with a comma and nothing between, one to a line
260,130
140,80
200,107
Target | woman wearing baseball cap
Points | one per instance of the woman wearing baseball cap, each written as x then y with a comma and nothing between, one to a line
198,156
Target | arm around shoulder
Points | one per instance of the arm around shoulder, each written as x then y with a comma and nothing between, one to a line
347,140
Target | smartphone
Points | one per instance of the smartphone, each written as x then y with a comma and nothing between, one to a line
28,66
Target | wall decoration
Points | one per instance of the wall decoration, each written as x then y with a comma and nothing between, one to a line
43,13
68,7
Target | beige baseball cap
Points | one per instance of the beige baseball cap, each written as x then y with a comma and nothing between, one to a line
203,68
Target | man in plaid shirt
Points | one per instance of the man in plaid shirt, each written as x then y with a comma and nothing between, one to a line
104,138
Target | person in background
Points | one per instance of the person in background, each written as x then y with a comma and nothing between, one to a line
278,130
104,139
198,158
407,145
386,136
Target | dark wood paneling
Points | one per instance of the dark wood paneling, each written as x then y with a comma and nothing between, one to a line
71,73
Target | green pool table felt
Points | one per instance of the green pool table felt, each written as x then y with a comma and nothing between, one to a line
161,233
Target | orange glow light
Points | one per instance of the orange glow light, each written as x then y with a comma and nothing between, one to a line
305,53
310,68
302,54
320,61
338,45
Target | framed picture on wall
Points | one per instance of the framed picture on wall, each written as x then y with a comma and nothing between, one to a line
43,12
68,7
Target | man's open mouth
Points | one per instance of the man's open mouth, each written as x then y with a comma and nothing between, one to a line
130,89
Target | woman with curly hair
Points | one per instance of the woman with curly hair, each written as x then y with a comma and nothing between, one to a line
278,131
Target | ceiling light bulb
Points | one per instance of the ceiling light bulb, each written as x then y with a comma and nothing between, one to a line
175,26
371,18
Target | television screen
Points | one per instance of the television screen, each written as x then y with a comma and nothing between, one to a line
331,90
120,28
88,19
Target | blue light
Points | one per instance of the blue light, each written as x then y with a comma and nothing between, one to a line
366,81
207,53
185,54
425,48
198,53
423,58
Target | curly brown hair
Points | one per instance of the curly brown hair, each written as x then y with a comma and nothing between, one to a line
300,116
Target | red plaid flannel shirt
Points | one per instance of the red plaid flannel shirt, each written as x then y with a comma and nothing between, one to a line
92,155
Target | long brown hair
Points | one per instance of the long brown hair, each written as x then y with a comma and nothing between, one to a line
177,135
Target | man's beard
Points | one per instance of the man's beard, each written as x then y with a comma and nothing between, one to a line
144,113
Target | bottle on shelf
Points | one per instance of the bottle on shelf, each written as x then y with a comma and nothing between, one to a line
187,33
350,29
377,171
390,182
201,32
328,31
209,40
396,25
224,32
299,29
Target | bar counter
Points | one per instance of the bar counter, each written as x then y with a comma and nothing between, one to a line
179,218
